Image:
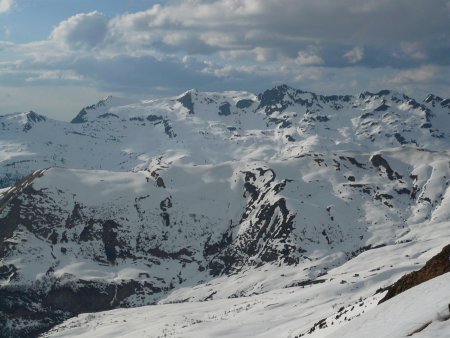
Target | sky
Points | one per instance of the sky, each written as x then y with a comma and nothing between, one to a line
57,56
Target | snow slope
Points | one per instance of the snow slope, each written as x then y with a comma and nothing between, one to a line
290,312
280,211
424,308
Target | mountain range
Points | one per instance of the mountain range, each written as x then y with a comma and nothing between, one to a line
283,214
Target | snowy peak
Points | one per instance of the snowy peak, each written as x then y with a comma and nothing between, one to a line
186,100
98,110
281,97
32,119
21,121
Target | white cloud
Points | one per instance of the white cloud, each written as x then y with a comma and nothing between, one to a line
6,5
355,55
421,74
413,50
308,59
86,30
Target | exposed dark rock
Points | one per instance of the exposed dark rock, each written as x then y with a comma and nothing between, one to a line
432,99
32,119
109,238
154,118
436,266
186,101
365,188
106,115
160,182
403,191
279,98
353,161
164,206
224,109
9,223
158,252
383,107
61,302
400,138
282,123
214,248
272,97
242,104
320,118
75,216
88,232
81,117
383,196
366,115
331,98
137,118
168,129
306,283
378,161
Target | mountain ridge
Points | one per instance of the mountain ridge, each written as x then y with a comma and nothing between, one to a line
197,197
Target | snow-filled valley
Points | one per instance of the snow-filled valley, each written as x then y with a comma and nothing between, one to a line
283,214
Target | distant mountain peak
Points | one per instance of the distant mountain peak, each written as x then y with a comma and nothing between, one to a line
100,107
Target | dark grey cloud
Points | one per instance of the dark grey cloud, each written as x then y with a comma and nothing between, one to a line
129,73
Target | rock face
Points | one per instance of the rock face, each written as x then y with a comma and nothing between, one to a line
435,267
178,192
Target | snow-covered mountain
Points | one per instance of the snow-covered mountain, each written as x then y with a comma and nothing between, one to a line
275,210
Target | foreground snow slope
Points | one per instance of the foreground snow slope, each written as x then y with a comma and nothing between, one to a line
424,308
291,312
280,208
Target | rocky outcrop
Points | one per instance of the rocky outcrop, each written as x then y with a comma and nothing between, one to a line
436,266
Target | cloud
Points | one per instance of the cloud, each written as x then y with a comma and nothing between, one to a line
57,75
422,74
322,45
413,32
355,55
86,30
6,5
236,27
308,59
413,50
139,73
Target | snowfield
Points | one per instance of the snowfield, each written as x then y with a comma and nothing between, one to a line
283,214
291,312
